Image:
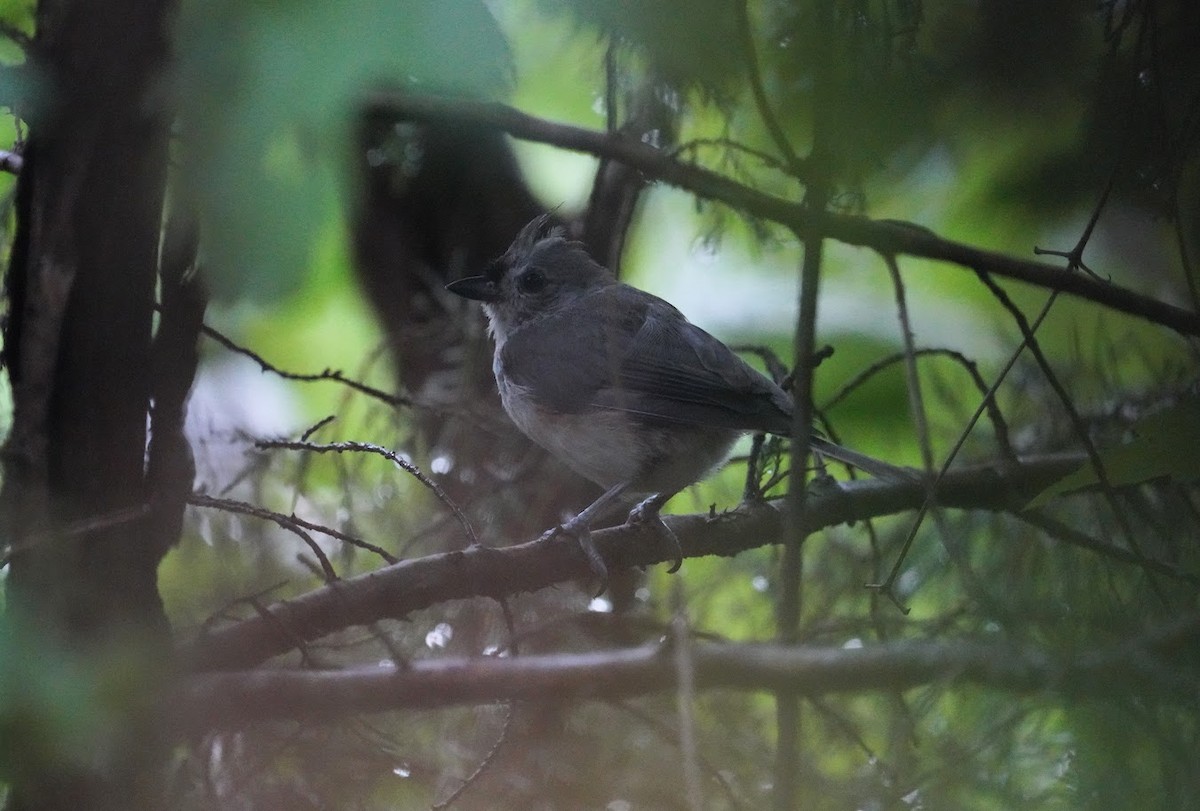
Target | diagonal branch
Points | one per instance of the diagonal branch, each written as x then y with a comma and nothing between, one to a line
884,236
396,591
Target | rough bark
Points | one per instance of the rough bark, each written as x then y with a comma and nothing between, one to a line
78,346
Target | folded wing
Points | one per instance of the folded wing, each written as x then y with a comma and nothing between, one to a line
642,357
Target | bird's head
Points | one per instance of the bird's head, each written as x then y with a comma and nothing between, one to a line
540,273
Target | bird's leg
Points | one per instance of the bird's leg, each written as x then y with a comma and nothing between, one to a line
580,527
646,512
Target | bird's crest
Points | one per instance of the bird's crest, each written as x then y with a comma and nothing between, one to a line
544,226
541,227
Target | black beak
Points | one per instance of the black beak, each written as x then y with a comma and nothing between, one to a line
480,288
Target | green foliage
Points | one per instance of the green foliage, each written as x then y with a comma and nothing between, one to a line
1164,445
995,124
19,14
269,91
53,709
992,126
703,52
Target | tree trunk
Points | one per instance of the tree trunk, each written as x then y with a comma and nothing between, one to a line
78,506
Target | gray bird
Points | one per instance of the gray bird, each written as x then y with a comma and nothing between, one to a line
617,383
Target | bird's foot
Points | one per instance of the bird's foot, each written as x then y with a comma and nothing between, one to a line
646,512
582,533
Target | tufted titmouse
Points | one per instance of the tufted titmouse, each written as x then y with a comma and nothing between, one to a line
616,382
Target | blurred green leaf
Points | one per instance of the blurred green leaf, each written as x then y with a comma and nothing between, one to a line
18,14
1165,444
47,708
269,90
688,41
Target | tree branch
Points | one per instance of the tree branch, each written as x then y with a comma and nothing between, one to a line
884,236
396,591
1143,664
334,375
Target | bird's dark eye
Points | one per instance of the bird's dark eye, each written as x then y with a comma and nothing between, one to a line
531,281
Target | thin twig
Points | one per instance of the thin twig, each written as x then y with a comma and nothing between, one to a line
888,584
671,736
333,375
612,78
795,166
695,144
999,424
505,731
298,641
775,366
916,402
390,455
1060,531
685,697
484,765
113,518
290,523
917,405
243,508
1074,256
1081,431
222,612
396,655
847,729
317,426
751,489
779,373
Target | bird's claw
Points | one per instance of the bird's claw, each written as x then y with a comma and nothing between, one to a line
643,513
583,536
646,512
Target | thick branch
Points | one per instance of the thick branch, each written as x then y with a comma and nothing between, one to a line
395,591
885,236
223,700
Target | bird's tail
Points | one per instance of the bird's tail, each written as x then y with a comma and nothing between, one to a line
867,464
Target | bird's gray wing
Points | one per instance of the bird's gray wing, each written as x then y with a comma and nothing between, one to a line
627,350
677,372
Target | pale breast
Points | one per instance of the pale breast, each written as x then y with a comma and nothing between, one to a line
600,446
609,447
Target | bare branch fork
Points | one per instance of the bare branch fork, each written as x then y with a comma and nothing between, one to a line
887,237
393,457
1138,665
